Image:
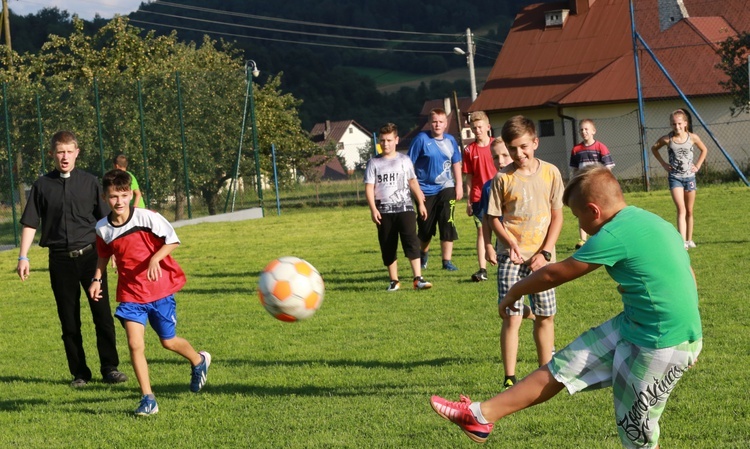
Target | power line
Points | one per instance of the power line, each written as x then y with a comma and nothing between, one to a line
297,22
286,40
302,32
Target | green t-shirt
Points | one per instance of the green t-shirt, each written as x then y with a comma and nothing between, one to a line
646,256
134,186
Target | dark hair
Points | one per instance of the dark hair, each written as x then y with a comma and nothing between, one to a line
516,127
121,160
63,137
119,180
389,128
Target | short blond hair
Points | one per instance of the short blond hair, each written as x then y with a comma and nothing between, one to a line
479,115
594,184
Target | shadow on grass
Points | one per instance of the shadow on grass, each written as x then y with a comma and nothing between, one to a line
324,363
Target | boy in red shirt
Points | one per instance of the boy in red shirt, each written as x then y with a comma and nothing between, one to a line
147,278
478,168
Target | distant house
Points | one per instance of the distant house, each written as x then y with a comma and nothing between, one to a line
349,137
463,135
562,62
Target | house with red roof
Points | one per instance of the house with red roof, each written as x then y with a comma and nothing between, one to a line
566,61
348,136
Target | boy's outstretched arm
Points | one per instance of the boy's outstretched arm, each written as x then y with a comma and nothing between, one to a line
545,278
154,269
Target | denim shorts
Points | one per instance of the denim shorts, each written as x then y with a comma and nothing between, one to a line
688,184
160,314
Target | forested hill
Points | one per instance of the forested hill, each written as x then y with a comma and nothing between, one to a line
322,47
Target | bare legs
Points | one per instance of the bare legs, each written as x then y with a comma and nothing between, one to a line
684,201
544,337
537,387
137,346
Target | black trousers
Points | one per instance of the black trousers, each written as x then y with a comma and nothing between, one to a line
67,276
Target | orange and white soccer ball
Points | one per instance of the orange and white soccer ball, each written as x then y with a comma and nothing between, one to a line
290,289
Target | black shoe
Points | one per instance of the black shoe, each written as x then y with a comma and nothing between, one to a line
115,377
78,383
479,276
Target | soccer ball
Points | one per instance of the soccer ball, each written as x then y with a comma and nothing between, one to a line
290,289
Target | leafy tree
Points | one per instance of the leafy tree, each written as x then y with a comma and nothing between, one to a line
734,54
132,71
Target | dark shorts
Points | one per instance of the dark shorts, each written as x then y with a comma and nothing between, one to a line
440,210
477,213
392,226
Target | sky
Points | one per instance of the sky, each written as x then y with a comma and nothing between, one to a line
86,9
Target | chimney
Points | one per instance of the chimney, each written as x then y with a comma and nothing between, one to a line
327,130
671,12
580,6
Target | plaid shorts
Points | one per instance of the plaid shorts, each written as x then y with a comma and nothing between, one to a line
542,303
641,378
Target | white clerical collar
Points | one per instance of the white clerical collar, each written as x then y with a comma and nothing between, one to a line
65,175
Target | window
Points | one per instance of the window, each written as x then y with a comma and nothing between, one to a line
351,130
546,128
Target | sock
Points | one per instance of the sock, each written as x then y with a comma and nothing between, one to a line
150,396
477,411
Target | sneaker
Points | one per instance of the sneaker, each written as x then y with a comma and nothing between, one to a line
198,377
691,244
147,407
393,286
421,284
424,256
580,244
448,265
479,276
115,377
686,245
508,383
459,414
78,383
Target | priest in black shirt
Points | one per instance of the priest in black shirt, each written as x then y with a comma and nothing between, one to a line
68,202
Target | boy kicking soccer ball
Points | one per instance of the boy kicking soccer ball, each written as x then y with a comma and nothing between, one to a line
147,279
641,353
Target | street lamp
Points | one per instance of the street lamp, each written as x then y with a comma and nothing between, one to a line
469,62
251,68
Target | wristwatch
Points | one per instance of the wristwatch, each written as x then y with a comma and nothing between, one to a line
546,254
99,280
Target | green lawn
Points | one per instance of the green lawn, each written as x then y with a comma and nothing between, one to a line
361,371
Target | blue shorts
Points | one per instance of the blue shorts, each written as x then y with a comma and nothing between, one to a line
161,314
688,184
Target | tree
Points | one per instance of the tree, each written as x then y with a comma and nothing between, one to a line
734,63
134,75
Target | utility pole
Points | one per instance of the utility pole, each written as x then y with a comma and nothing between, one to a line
469,61
6,29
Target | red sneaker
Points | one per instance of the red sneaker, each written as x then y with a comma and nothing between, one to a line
459,414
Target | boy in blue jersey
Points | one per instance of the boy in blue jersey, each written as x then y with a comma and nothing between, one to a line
642,352
437,163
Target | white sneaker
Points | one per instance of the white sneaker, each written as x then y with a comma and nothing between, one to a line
393,286
690,244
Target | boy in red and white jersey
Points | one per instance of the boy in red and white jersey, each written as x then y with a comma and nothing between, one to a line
147,278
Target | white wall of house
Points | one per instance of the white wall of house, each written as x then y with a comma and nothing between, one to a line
350,144
617,127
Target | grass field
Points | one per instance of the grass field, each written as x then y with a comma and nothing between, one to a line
361,371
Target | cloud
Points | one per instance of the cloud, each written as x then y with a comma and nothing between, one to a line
86,9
